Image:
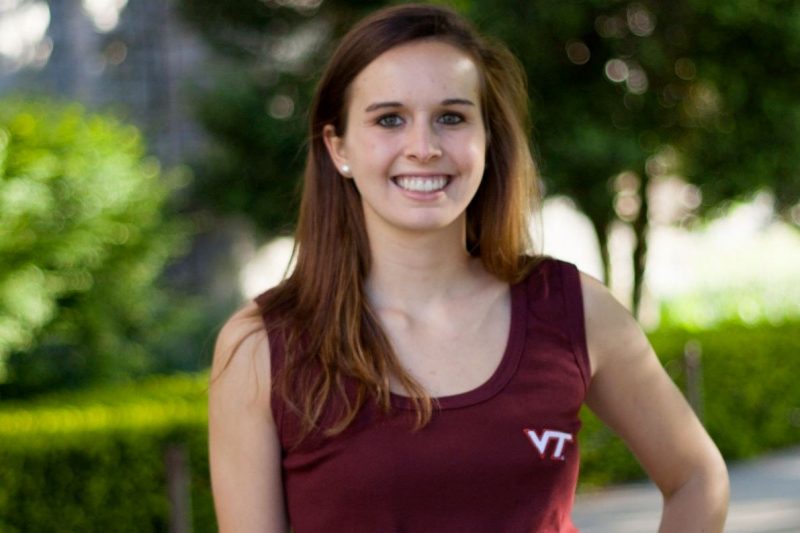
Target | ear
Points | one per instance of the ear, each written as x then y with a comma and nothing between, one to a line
336,150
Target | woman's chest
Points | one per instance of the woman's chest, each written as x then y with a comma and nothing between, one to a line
488,466
456,351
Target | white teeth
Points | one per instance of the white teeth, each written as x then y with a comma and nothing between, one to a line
422,184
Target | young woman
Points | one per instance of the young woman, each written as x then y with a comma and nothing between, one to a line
418,371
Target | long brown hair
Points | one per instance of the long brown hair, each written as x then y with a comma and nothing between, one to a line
330,333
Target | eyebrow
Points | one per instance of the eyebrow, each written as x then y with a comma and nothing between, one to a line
448,101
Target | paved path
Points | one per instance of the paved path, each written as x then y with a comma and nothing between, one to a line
765,497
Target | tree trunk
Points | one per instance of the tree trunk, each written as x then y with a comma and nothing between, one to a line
601,230
640,229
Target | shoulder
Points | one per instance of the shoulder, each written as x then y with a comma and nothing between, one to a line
598,302
611,331
243,442
241,364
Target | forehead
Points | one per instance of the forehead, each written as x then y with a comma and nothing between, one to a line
418,70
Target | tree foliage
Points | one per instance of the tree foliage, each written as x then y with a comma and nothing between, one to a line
254,107
625,93
83,239
743,108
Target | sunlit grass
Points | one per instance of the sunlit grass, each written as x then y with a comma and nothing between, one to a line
757,303
154,404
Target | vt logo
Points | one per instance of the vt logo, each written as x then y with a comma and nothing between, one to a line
547,436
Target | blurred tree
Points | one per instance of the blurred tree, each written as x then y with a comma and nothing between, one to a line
254,105
83,239
587,126
627,92
741,106
622,93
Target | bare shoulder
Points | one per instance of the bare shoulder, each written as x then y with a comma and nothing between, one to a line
244,446
611,330
241,364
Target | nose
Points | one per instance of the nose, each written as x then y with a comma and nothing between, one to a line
423,142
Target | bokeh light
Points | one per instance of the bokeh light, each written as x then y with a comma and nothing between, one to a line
578,52
640,20
23,28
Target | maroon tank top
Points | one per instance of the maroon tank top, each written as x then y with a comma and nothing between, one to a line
500,458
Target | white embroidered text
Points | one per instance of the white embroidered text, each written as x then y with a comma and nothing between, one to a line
548,435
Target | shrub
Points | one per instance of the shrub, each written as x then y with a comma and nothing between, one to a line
751,398
83,239
95,461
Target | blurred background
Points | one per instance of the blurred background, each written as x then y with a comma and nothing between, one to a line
149,160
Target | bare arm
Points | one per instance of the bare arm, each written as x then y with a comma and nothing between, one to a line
244,450
631,393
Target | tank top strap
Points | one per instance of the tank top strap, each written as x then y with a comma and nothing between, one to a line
555,297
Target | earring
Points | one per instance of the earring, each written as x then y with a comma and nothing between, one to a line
346,169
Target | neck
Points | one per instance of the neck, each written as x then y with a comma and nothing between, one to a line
411,270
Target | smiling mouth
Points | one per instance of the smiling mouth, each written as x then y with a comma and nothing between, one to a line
422,183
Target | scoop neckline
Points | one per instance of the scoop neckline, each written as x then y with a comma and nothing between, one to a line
502,374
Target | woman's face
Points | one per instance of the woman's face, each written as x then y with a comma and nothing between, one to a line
415,142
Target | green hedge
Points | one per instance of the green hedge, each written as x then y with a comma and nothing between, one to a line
752,398
94,461
750,395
